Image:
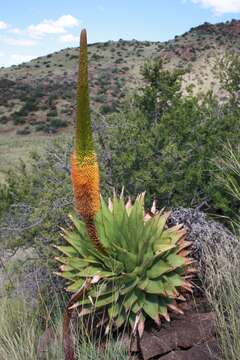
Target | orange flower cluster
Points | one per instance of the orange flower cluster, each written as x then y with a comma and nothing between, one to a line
85,180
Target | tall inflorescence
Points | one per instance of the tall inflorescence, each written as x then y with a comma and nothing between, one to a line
84,165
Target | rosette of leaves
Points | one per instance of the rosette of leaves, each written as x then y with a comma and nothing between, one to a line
140,272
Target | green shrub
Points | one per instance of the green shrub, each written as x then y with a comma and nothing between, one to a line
105,109
167,143
51,99
18,119
25,131
56,123
96,57
115,70
40,126
4,120
52,113
73,57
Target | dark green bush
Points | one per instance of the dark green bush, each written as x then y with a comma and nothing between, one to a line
105,109
25,131
18,119
4,119
73,57
166,144
40,126
52,113
56,123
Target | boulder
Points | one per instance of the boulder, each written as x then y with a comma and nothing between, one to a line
191,336
180,335
206,351
201,230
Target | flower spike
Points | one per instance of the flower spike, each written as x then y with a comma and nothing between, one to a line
84,165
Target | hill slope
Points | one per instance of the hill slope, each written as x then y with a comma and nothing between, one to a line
39,96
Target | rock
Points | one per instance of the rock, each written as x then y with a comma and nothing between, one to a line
179,336
201,230
206,351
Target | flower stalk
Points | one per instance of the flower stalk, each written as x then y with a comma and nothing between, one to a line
85,178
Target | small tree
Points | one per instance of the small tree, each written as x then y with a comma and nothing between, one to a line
228,70
161,90
166,143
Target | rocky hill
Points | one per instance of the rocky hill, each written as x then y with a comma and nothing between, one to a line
39,96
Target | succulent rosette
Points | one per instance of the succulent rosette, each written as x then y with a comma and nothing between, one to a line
118,257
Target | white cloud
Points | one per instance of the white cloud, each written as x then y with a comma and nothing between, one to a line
49,26
67,21
220,6
19,58
19,42
68,38
14,59
16,31
34,34
3,25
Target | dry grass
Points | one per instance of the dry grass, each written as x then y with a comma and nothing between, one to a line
223,267
20,333
14,148
223,293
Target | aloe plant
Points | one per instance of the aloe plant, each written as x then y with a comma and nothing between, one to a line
118,257
142,272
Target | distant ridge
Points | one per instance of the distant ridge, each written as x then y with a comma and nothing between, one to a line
42,91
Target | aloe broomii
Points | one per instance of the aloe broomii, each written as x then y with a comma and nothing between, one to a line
133,264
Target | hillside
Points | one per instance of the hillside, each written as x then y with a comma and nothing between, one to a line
39,96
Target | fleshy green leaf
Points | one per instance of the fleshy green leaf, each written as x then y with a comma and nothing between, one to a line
162,306
76,241
158,268
129,285
76,285
113,310
175,260
151,306
129,299
155,287
67,250
137,306
143,284
68,275
174,279
76,263
121,318
128,259
94,270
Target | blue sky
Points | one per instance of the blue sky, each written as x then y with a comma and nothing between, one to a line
29,29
